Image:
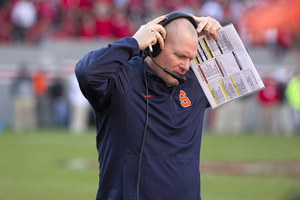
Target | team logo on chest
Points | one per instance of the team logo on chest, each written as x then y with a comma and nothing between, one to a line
185,101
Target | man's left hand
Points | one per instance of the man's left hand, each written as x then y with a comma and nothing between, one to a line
208,26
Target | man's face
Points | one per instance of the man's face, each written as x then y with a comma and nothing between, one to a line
176,57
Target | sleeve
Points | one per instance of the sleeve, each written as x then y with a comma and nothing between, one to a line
101,76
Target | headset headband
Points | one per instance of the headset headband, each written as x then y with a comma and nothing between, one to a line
169,18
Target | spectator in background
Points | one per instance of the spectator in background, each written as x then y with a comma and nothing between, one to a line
283,109
293,96
23,17
190,6
80,108
47,15
103,11
85,6
46,10
88,27
135,15
214,9
6,27
69,24
24,101
40,86
59,103
121,4
39,83
268,99
236,8
120,25
71,5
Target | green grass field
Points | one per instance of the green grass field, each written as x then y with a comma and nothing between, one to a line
45,166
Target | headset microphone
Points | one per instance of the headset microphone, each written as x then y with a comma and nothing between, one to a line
181,79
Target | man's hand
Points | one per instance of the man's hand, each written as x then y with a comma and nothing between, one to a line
208,26
151,33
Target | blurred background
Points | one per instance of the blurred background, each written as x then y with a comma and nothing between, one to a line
47,127
42,40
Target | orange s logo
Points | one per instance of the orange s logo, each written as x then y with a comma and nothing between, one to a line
185,101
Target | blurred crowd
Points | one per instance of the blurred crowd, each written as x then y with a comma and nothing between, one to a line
277,108
33,21
40,101
43,102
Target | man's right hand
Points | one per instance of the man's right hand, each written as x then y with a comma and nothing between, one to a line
151,33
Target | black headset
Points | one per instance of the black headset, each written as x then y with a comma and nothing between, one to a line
170,17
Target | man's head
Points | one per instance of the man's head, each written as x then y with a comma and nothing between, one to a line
180,48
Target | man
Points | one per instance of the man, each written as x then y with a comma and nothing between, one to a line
112,79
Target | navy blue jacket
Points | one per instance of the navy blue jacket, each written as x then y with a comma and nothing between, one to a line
112,80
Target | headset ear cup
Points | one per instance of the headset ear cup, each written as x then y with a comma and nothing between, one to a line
156,50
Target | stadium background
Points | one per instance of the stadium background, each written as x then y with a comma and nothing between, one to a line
42,163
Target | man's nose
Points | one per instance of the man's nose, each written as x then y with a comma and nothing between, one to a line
185,65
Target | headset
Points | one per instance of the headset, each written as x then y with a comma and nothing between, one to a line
169,18
154,51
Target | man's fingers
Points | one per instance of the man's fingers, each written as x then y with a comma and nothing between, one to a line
154,25
160,29
160,40
157,20
201,22
214,30
208,26
151,33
